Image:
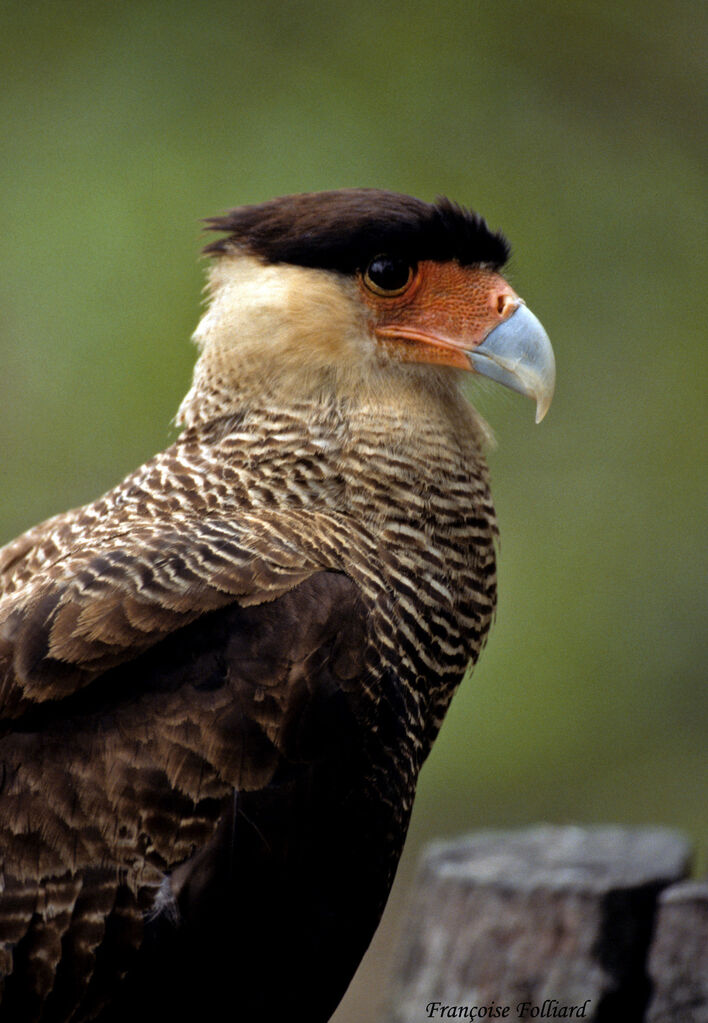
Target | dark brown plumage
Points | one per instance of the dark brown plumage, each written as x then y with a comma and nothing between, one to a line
220,680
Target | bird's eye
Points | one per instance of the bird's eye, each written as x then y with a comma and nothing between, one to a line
388,275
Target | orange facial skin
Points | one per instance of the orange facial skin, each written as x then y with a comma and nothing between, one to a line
445,311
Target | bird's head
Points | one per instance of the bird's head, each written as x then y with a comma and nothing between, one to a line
357,289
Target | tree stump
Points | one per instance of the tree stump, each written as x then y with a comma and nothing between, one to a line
678,961
547,923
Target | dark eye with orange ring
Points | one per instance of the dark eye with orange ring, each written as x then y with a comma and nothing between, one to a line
388,275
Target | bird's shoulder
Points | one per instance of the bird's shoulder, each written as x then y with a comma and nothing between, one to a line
87,590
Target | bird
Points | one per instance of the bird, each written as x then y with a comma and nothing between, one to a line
220,680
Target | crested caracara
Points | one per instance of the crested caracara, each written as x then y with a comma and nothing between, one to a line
219,681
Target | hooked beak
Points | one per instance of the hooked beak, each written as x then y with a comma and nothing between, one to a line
518,354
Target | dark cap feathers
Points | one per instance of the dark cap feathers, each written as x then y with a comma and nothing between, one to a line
343,230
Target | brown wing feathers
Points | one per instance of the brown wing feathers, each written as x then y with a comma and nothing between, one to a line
147,771
108,605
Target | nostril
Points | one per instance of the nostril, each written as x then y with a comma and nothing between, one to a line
506,304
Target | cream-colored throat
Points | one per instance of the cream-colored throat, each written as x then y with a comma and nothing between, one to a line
276,329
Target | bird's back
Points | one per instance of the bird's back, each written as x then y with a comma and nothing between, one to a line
249,613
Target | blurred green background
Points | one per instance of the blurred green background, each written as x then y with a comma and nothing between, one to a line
574,126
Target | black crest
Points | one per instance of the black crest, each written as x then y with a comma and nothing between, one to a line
343,230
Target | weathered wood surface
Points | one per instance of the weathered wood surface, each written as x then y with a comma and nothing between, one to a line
539,923
678,961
